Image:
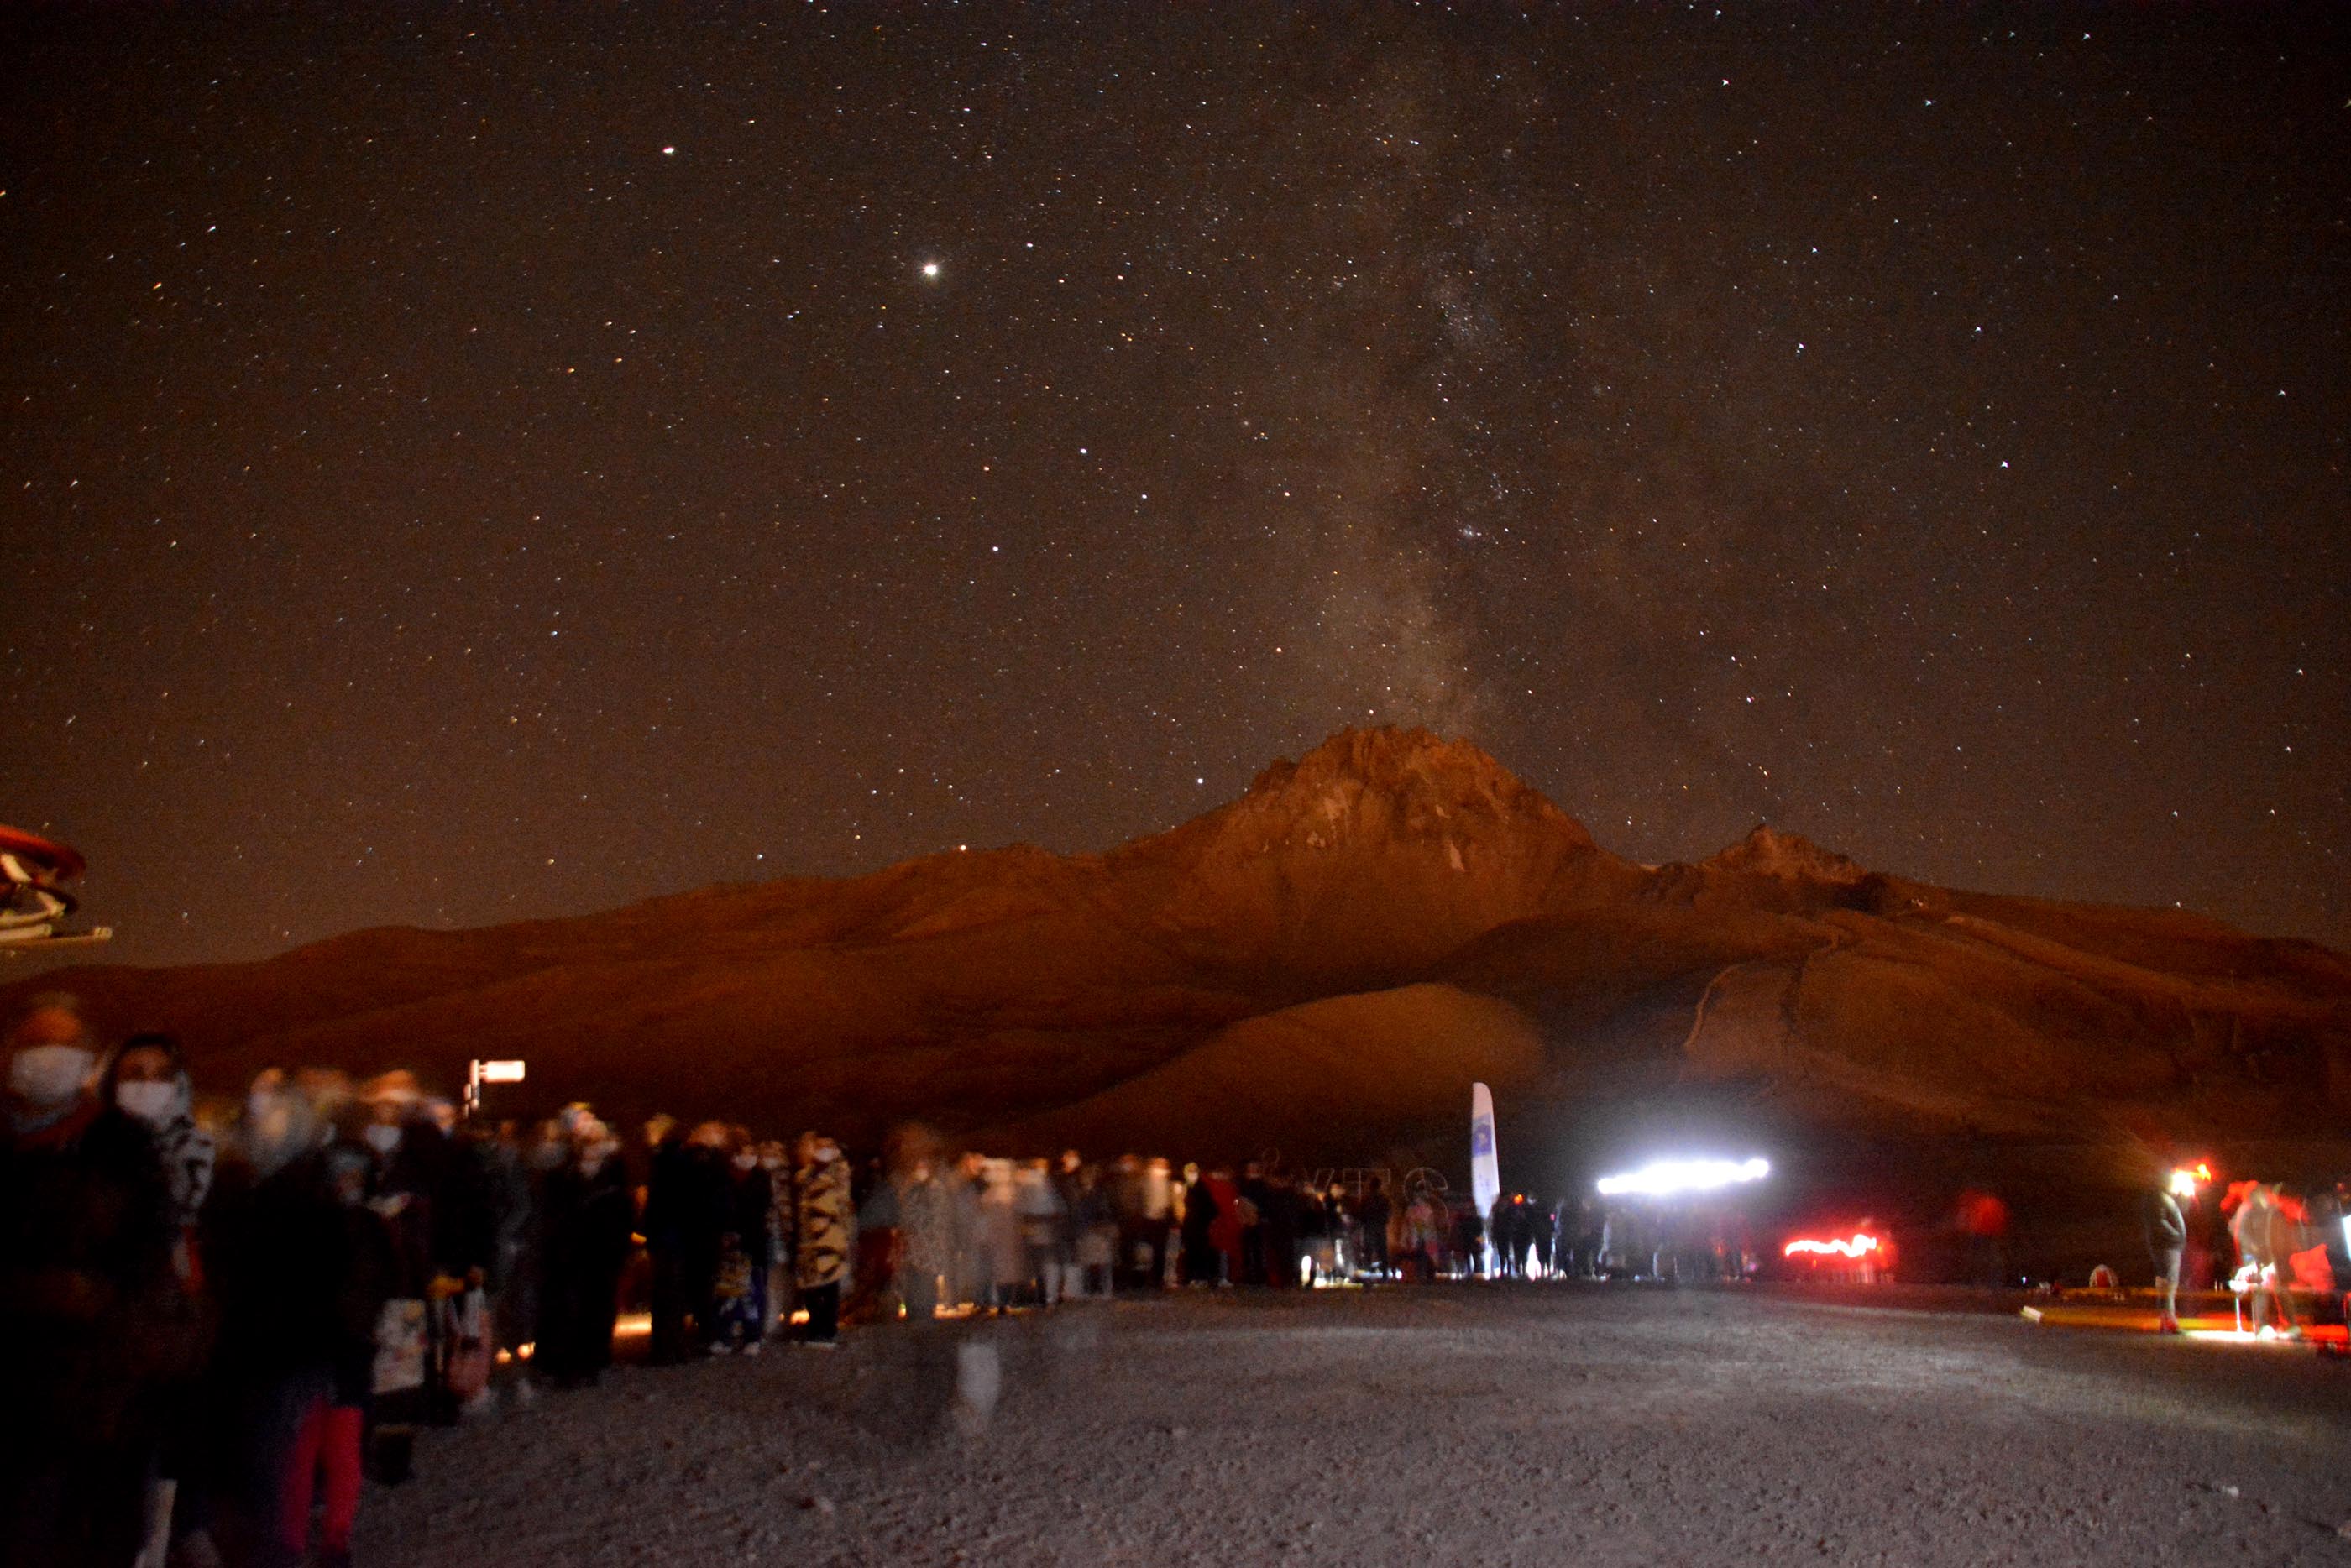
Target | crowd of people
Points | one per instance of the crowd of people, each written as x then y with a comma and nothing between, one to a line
219,1316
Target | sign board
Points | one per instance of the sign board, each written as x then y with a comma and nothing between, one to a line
1485,1173
498,1072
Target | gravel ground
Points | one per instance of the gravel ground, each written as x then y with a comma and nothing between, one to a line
1469,1425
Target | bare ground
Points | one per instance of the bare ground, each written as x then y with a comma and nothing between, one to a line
1468,1425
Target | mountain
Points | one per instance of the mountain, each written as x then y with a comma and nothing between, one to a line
1323,966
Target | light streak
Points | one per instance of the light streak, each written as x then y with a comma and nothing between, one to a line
1664,1178
1863,1242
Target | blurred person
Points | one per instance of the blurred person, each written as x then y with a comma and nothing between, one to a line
1160,1194
1123,1190
1043,1223
2264,1229
1094,1226
1371,1215
1543,1230
1226,1231
585,1221
927,1231
510,1189
1983,1219
824,1229
686,1212
1003,1259
751,1198
1255,1199
1279,1217
967,1186
148,1080
2167,1240
776,1161
1202,1264
300,1265
874,1280
87,1326
328,1448
1064,1175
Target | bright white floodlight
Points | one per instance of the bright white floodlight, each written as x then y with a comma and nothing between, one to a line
1664,1178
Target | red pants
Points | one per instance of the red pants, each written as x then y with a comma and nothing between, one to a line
329,1441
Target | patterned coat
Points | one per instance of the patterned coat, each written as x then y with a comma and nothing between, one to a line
824,1224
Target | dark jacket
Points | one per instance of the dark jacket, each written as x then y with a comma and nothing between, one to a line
293,1273
86,1281
2167,1227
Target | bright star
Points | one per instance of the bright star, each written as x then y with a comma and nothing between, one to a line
930,269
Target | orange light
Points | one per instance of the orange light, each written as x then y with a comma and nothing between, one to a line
1861,1243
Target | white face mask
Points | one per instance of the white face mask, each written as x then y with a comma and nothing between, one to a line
746,1162
47,1076
149,1101
382,1137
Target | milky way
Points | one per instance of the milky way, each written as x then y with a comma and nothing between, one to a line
460,468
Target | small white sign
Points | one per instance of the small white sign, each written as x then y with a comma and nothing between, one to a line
500,1072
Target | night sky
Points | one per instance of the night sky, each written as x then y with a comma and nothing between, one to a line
459,467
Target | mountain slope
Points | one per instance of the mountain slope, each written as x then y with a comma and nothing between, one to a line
1324,964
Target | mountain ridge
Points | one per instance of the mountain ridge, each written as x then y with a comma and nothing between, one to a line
1399,911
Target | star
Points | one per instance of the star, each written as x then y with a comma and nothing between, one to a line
931,271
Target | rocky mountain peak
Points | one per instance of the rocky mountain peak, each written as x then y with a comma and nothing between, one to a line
1789,858
1411,778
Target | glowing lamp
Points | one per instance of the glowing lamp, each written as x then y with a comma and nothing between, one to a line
1861,1241
1664,1178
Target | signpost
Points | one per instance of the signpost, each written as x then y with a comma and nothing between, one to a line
480,1073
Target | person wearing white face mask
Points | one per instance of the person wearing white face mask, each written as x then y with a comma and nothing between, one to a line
85,1276
147,1080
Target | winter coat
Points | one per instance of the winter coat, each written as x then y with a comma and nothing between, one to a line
85,1291
299,1276
824,1223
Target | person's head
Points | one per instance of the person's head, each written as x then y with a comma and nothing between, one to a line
773,1154
1070,1162
805,1148
281,1124
709,1137
391,1103
441,1115
346,1174
51,1059
147,1080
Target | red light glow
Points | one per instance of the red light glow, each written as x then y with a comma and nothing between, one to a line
1861,1243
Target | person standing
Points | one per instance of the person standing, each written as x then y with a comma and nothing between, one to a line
926,1236
148,1081
300,1260
1201,1211
86,1231
585,1218
2167,1240
1372,1220
750,1200
823,1230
